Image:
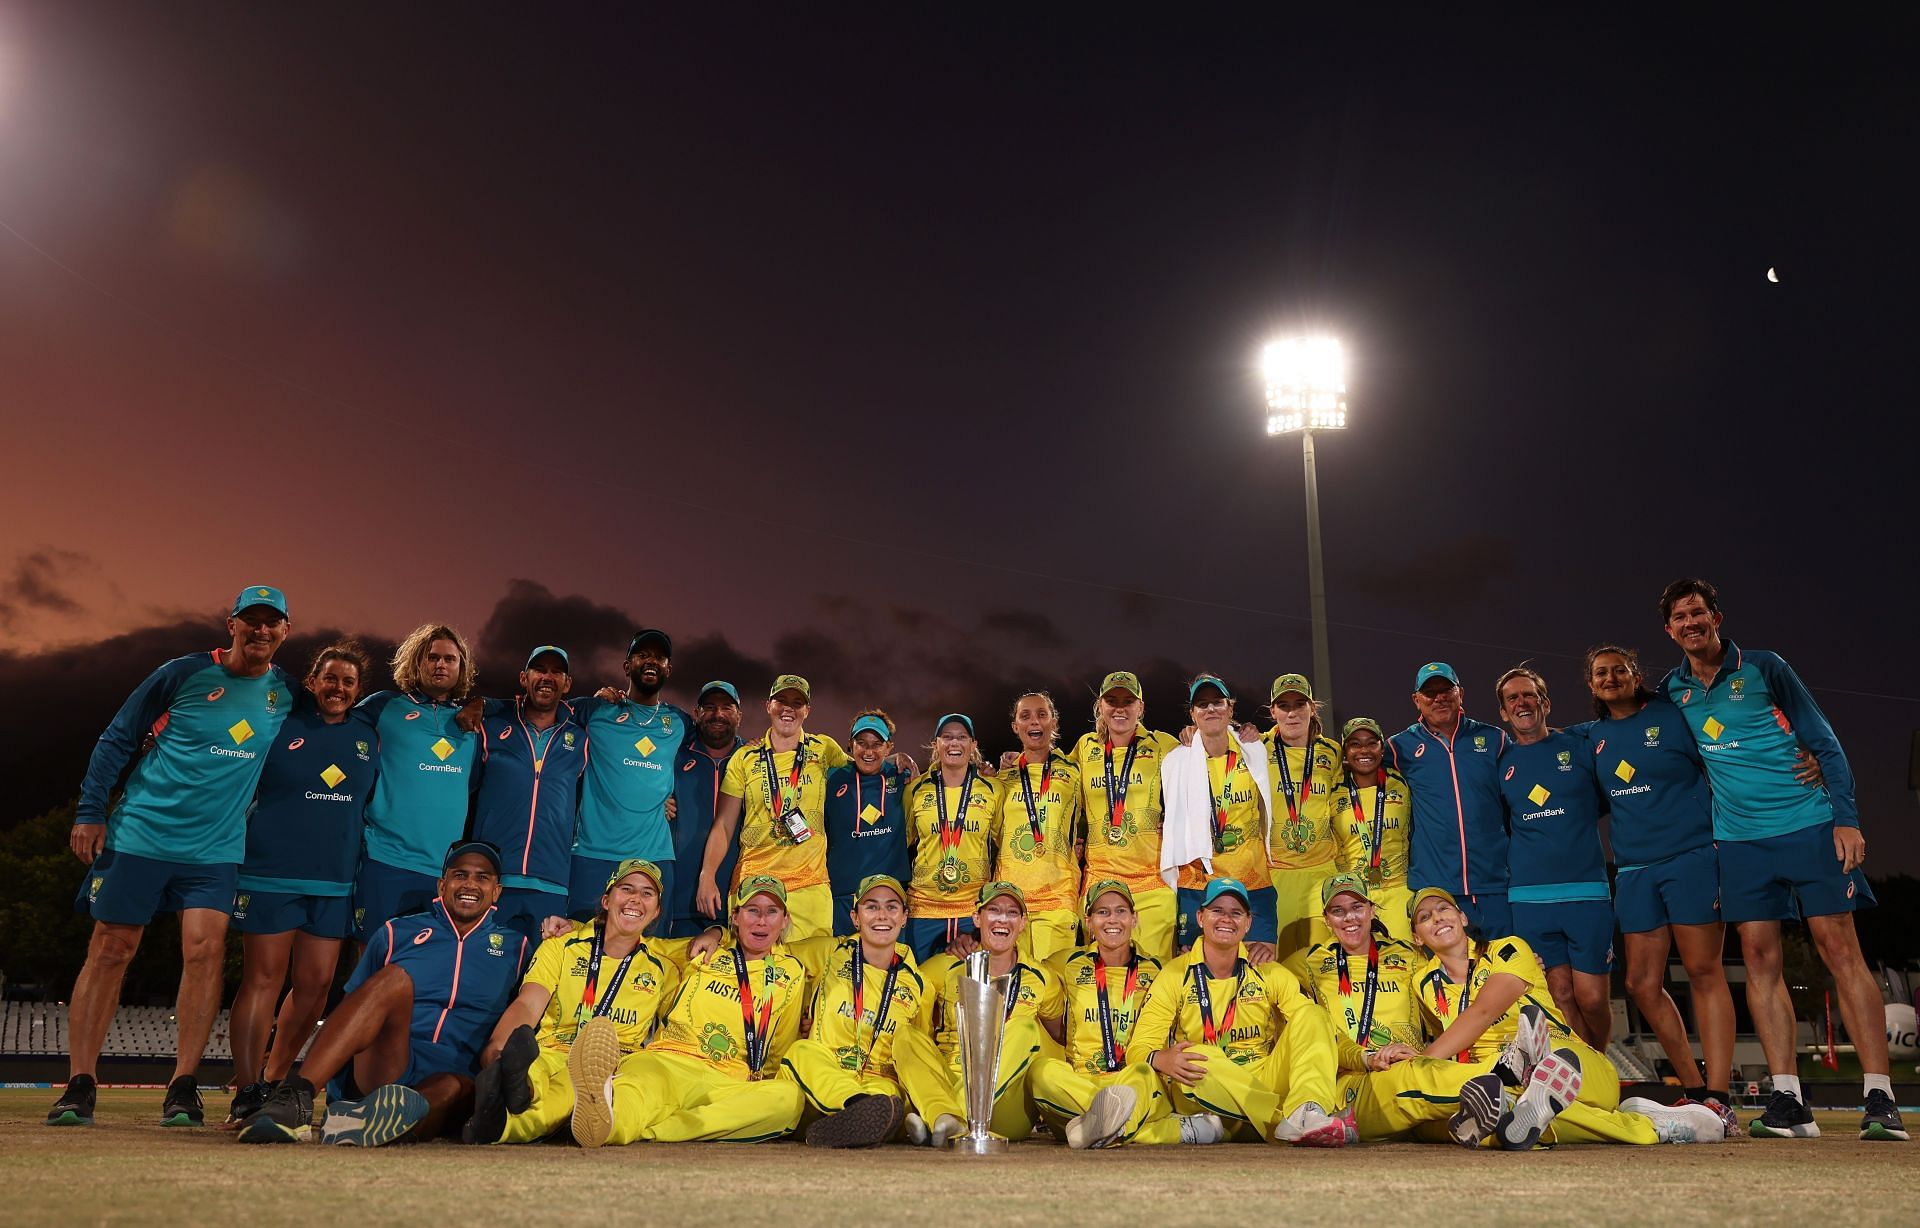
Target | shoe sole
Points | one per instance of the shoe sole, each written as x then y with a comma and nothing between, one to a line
1105,1119
69,1118
1482,1098
1554,1084
1760,1129
1333,1134
592,1060
384,1116
262,1129
1877,1133
865,1123
182,1119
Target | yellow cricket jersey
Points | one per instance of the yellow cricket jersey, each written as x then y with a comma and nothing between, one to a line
1355,828
766,847
560,967
1241,849
1440,996
705,1020
849,1034
1086,1045
931,896
1129,851
1302,835
1036,996
1396,1008
1246,1022
1046,870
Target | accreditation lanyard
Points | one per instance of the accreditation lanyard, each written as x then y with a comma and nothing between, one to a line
1466,993
1117,802
756,1032
1033,802
777,796
1113,1053
1219,804
1205,998
1378,832
950,836
1286,776
860,996
1365,1027
592,1004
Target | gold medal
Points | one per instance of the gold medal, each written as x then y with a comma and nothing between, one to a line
1116,834
950,872
1371,874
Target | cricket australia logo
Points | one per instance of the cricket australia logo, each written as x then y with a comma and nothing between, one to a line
1479,741
1738,686
1653,736
496,944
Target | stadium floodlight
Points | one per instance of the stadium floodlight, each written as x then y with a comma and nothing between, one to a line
1307,392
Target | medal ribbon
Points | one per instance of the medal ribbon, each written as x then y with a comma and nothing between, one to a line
950,839
1033,804
1466,992
1379,828
1365,1026
1013,992
589,993
1286,777
756,1034
1113,1054
1117,806
860,995
1206,1000
777,796
1219,806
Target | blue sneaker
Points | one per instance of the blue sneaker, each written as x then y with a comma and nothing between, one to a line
375,1121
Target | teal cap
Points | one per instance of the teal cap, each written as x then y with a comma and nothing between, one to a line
1434,669
544,649
261,594
873,725
1217,887
1206,680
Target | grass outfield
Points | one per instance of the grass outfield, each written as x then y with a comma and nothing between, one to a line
128,1170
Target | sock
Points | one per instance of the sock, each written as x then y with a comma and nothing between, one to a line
1880,1083
1695,1094
1721,1095
1789,1084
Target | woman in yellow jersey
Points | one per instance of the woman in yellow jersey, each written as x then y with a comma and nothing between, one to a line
1236,1039
1106,985
1119,765
1038,836
1218,801
1304,849
599,969
707,1074
774,793
950,814
1371,811
865,988
1365,979
1487,1001
928,1057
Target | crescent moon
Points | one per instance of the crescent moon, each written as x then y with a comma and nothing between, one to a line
1773,276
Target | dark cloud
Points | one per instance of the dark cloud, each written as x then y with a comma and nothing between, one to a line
1035,627
1447,578
38,585
594,635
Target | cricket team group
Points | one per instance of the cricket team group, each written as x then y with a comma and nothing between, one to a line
600,914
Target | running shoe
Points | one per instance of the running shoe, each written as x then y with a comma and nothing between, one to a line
865,1121
381,1118
1202,1129
1785,1117
591,1064
1684,1121
247,1101
182,1106
1483,1099
1309,1126
1728,1121
516,1059
489,1119
1105,1119
75,1106
1553,1085
286,1117
1882,1122
1532,1040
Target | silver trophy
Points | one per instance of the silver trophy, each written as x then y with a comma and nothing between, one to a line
983,1021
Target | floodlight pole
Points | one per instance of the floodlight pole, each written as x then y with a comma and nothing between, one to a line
1317,589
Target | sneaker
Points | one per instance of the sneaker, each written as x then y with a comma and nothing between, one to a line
489,1119
75,1106
1785,1117
1532,1040
376,1120
591,1063
1681,1122
1309,1126
1352,1123
1202,1129
916,1132
1882,1122
286,1117
1105,1119
946,1127
182,1106
516,1059
1552,1086
865,1121
1483,1099
1728,1122
247,1101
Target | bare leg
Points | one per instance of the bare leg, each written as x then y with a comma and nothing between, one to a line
1767,998
96,993
370,1029
263,969
314,961
449,1104
1560,985
1595,999
203,948
1700,948
1862,1008
1647,986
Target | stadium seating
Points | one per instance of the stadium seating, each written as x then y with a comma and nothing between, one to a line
39,1029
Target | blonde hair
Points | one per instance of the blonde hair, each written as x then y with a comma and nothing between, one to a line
933,752
1100,714
413,649
1053,710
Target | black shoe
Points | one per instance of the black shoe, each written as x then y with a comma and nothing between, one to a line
516,1058
286,1117
1785,1117
1882,1122
866,1121
489,1120
247,1101
75,1106
1483,1099
182,1106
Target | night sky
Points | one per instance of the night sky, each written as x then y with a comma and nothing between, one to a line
915,351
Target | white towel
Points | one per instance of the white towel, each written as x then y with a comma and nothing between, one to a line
1186,826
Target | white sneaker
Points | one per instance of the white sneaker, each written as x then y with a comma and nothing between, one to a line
1679,1123
1309,1126
1532,1042
1202,1129
1553,1085
1106,1117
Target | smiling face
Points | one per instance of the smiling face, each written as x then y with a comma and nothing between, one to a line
1121,712
335,686
1351,919
880,916
1225,922
1363,752
1694,627
1612,678
439,668
648,669
787,713
718,719
870,752
758,924
1212,712
469,887
1439,925
1439,703
631,904
545,681
953,745
257,631
1036,724
1524,707
1000,921
1111,921
1292,717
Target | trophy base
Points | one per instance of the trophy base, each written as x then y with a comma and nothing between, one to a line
984,1145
